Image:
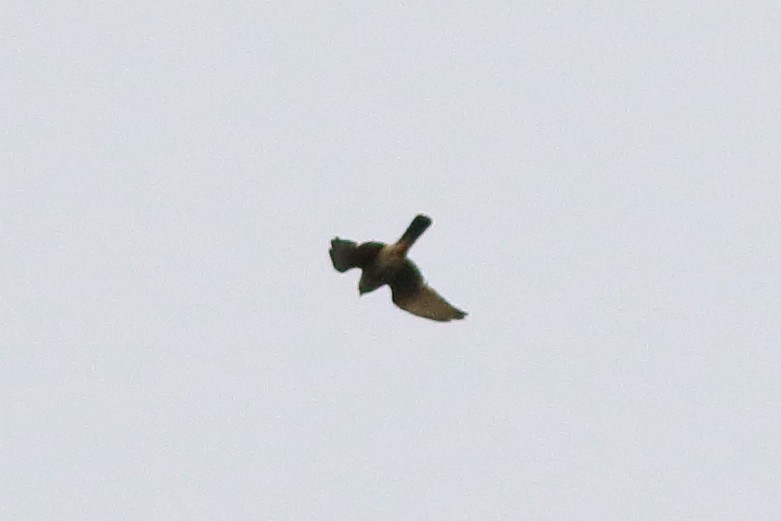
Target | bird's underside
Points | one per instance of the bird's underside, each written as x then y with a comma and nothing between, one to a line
388,264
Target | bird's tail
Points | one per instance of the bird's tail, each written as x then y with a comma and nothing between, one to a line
416,228
342,254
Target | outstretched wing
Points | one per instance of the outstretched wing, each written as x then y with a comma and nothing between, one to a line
411,294
347,254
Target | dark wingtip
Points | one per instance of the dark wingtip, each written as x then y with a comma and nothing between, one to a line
416,228
423,220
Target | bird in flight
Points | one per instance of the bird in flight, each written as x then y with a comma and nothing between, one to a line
388,264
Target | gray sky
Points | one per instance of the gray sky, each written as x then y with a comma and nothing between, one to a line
604,182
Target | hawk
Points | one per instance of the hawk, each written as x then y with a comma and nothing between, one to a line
388,264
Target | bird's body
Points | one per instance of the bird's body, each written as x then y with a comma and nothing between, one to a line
383,264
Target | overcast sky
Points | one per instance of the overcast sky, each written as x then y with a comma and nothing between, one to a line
605,184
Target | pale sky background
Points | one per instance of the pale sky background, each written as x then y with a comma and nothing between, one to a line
605,184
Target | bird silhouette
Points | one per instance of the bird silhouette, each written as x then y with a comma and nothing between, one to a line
388,264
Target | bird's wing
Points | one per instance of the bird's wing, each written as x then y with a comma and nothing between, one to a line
416,228
347,254
412,294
